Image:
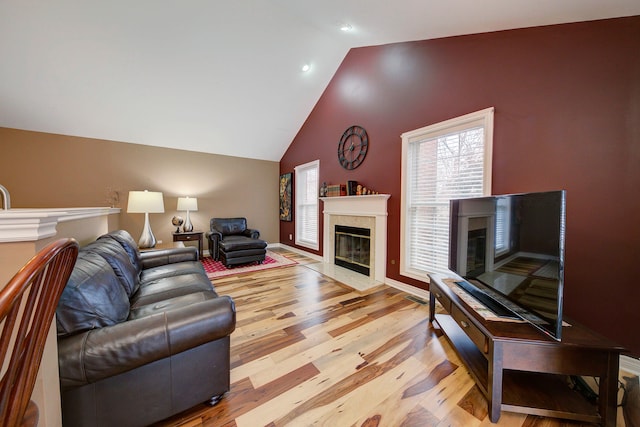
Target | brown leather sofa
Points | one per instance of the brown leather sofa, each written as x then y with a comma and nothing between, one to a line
233,243
141,336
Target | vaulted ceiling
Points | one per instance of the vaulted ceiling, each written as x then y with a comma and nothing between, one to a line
216,76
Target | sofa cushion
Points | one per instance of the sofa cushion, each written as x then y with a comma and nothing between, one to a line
170,270
92,298
170,287
170,304
120,262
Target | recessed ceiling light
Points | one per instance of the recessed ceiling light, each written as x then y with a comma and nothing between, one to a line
346,27
306,67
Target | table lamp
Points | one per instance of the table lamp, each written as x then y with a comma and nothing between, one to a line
146,202
187,204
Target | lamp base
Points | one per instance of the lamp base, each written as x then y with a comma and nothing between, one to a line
147,239
188,226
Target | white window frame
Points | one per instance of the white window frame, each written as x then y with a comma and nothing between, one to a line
307,201
482,118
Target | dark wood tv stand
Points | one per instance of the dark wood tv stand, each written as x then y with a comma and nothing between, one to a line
520,369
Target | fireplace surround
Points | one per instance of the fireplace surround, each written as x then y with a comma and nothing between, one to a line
368,212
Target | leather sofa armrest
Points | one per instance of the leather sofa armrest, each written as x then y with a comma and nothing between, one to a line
101,353
251,232
168,256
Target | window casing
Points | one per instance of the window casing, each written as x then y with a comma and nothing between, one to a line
440,162
306,202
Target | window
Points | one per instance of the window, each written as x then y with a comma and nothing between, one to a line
444,161
503,220
306,199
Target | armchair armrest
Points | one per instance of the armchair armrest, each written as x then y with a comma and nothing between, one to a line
168,256
214,236
251,232
101,353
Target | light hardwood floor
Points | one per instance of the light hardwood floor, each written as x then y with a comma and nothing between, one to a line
308,350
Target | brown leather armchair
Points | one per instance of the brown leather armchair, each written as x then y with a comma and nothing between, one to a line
232,242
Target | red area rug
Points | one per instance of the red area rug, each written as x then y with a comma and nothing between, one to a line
216,269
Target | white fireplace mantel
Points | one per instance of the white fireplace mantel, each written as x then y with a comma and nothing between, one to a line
371,209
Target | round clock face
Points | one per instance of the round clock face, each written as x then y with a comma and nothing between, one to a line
353,147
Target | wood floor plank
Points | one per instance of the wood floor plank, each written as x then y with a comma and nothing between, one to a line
366,399
244,397
474,403
308,350
401,402
283,404
374,369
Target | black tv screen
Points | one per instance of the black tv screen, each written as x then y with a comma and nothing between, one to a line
511,247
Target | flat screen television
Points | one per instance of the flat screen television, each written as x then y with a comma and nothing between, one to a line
509,250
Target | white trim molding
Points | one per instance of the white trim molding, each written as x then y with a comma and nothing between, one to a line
296,250
26,225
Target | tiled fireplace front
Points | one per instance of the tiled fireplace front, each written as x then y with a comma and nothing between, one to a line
367,212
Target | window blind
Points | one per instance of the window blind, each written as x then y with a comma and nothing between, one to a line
443,167
306,201
503,219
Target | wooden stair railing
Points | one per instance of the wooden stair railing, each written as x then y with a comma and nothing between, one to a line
27,306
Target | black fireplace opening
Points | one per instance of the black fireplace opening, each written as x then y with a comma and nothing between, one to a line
476,252
352,248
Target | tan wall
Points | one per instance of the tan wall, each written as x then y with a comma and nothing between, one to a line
45,170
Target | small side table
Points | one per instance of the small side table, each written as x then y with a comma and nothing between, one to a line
190,236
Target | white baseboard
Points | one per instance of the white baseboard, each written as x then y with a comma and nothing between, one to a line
296,250
630,365
420,293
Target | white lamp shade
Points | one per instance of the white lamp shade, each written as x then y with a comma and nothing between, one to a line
145,202
187,204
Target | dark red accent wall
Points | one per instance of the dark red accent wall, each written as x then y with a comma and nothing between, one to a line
567,116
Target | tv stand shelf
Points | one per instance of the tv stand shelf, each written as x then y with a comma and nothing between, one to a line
519,369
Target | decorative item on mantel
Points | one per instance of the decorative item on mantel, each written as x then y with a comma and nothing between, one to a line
324,189
146,202
361,190
352,188
335,190
187,204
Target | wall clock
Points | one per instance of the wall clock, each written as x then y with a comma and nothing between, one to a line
353,146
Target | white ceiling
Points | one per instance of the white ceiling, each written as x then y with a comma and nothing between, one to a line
217,76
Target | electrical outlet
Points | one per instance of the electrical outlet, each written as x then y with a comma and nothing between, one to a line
290,236
159,242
